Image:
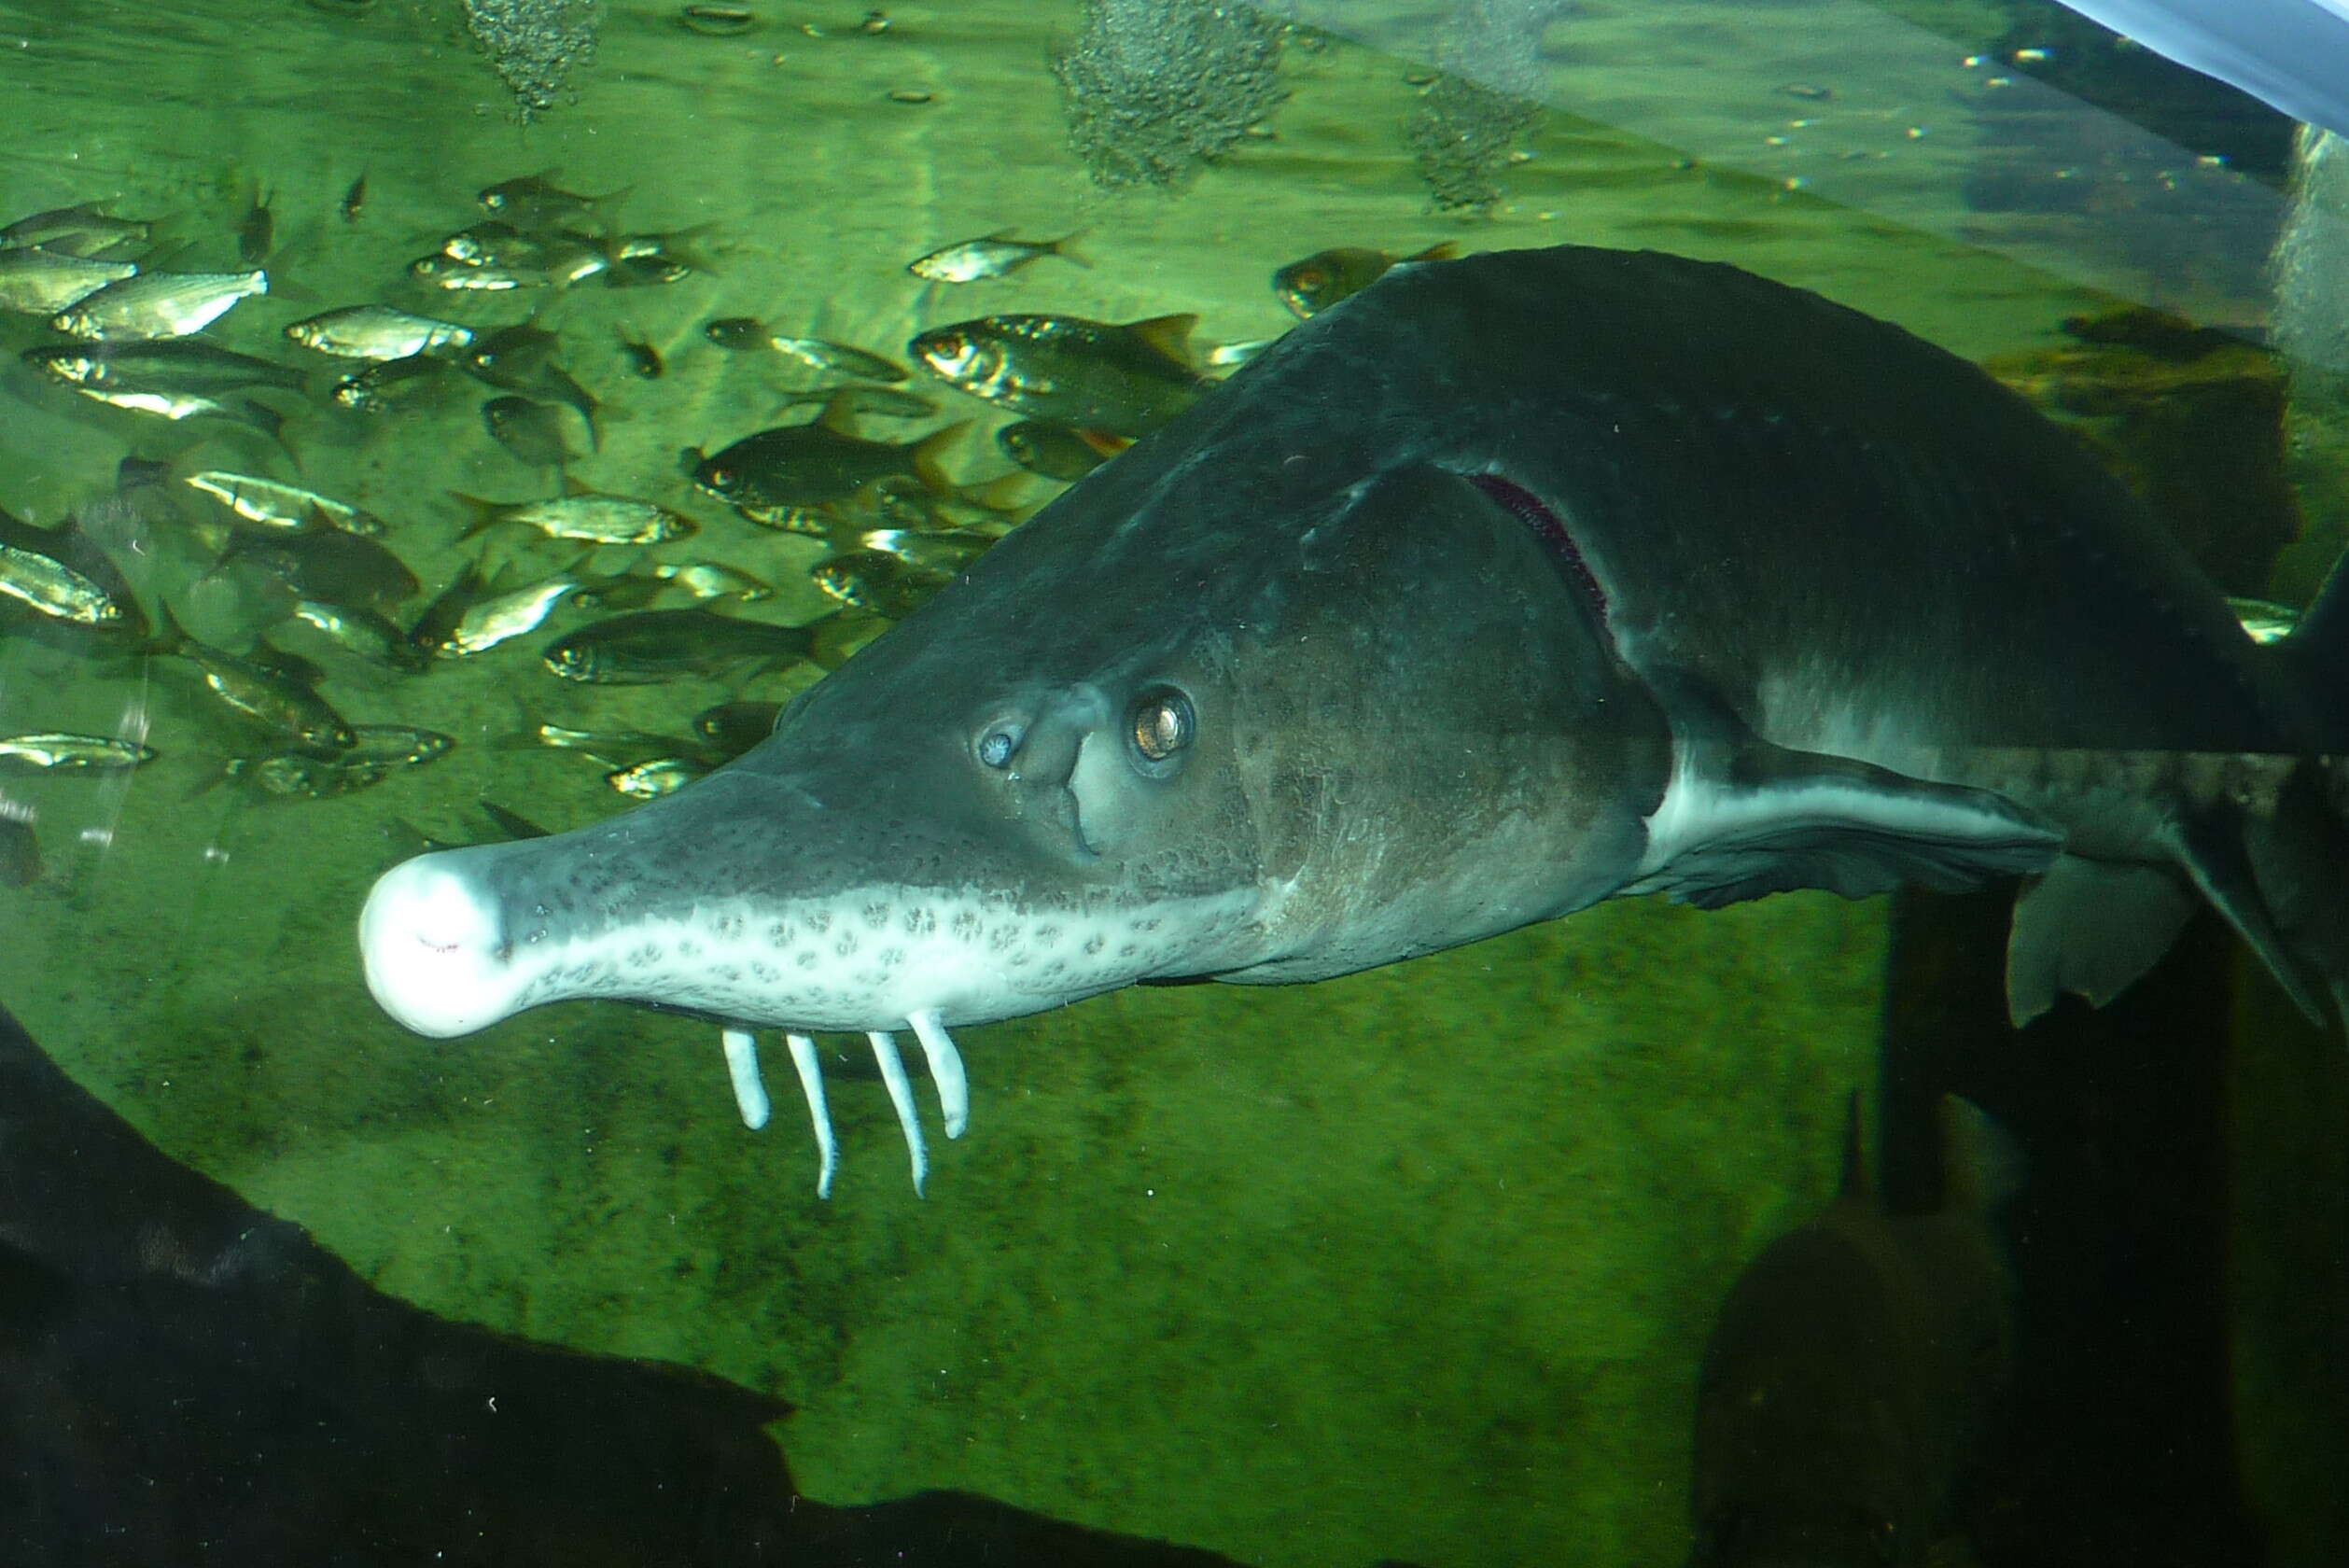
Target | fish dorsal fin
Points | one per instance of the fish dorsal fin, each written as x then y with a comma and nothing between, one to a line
1170,335
1981,1165
1446,250
1855,1186
839,414
1743,819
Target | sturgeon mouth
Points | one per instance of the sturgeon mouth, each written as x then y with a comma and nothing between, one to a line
443,958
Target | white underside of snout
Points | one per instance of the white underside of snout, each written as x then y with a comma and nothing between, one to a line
430,947
874,960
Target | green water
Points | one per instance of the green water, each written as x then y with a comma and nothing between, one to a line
1413,1265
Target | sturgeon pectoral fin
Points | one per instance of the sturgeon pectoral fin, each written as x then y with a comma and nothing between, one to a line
902,1096
2211,846
741,1065
1740,822
2090,928
811,1082
945,1070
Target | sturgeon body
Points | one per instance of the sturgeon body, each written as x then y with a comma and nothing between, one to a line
1510,585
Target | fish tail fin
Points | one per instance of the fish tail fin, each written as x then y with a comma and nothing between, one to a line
2318,650
928,455
213,776
481,515
1982,1168
169,639
2296,835
2267,844
678,243
1065,247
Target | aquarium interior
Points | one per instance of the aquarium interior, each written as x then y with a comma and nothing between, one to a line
1414,1266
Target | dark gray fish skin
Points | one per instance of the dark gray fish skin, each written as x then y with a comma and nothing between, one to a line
733,728
1122,379
365,632
441,618
653,645
332,566
1509,585
297,669
745,335
1851,1371
307,775
76,230
815,463
276,701
651,261
515,358
1320,280
531,432
535,201
521,359
389,385
881,402
1053,451
394,746
176,365
256,231
644,361
874,581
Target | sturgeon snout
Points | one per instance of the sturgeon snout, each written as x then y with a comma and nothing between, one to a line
434,949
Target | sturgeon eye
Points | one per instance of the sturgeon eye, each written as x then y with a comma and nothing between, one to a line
996,747
1163,723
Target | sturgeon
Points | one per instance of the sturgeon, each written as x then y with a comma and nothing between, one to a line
1508,585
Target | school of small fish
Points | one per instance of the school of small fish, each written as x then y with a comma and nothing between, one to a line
127,325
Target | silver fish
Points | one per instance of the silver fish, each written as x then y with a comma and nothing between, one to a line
394,746
511,614
839,358
59,752
158,304
378,332
42,582
306,776
443,271
76,230
991,256
660,776
713,580
586,516
39,282
273,504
